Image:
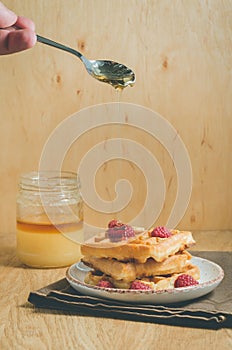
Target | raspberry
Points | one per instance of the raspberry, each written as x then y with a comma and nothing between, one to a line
120,233
139,285
161,232
185,281
105,284
114,223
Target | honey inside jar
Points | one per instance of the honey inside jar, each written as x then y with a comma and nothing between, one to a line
46,245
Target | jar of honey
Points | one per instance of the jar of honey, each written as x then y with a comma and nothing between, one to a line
49,219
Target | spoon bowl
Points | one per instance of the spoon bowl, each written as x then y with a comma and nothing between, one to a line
110,72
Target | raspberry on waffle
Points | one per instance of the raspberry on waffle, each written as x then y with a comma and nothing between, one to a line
119,233
185,280
161,232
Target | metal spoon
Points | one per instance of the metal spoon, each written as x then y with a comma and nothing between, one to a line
113,73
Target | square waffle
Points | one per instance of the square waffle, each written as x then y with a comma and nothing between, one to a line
129,271
154,282
139,248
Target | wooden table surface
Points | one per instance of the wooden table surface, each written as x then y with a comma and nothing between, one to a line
24,327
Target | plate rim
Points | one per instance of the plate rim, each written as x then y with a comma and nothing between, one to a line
167,291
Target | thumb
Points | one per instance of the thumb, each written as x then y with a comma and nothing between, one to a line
7,17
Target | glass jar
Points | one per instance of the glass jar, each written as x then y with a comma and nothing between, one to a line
49,219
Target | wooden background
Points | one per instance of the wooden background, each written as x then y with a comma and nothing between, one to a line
181,52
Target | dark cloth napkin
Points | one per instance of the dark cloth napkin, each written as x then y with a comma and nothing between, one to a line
212,311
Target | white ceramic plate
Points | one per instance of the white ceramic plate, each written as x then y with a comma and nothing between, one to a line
211,275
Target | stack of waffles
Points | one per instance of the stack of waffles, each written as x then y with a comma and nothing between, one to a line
130,258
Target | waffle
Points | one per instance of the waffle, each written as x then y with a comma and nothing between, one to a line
139,248
129,271
155,283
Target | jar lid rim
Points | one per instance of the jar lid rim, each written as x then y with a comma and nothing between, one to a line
49,174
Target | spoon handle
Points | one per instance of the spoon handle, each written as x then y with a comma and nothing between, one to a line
49,42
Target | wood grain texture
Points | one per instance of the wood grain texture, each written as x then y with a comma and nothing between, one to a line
181,52
23,327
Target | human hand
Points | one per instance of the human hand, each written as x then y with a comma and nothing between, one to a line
16,33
